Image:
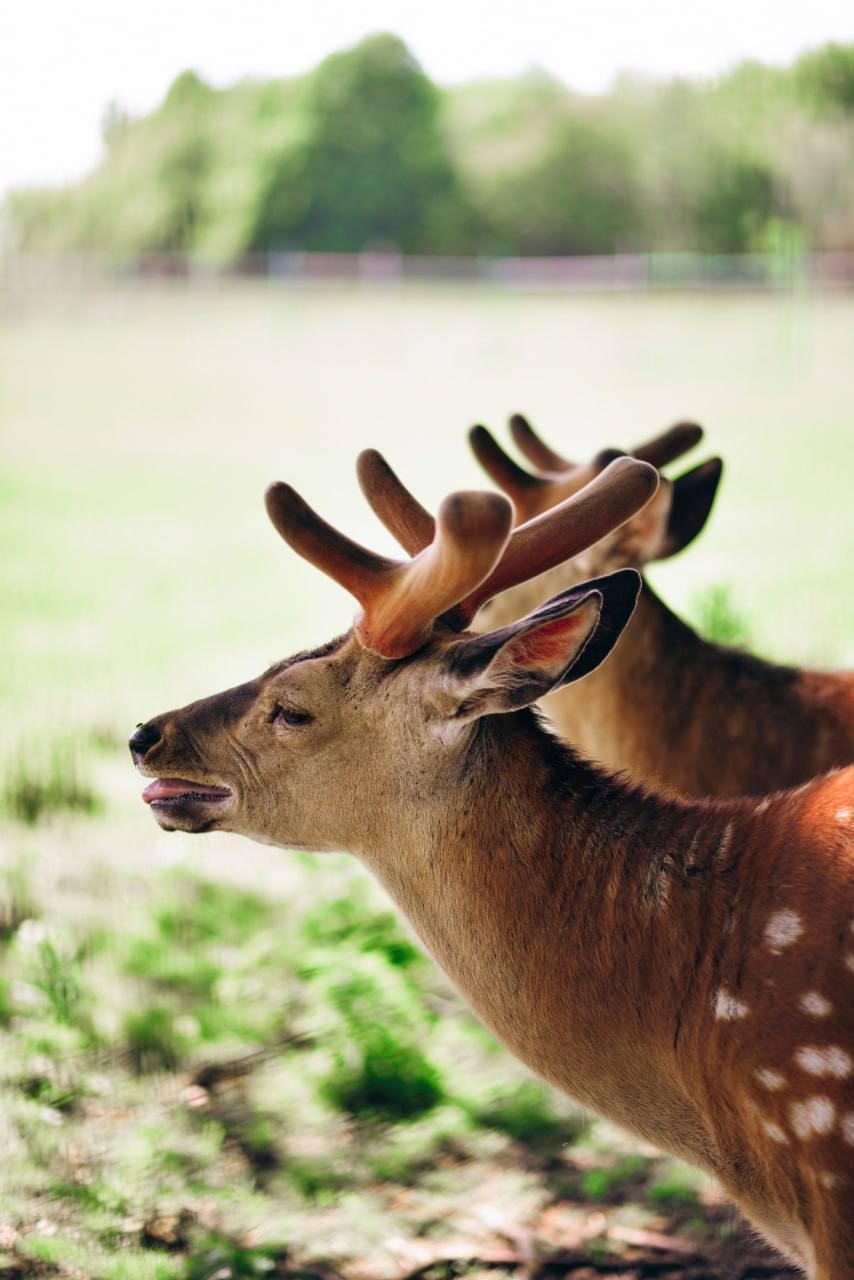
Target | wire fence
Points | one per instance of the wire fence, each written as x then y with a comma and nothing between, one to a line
622,272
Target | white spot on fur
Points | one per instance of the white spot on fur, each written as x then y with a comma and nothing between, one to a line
825,1060
844,814
814,1003
847,1126
783,928
828,1180
816,1115
770,1079
728,1007
763,806
774,1131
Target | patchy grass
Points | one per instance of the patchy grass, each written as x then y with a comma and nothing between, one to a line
45,780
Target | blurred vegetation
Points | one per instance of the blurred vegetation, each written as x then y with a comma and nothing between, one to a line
221,1083
46,778
366,152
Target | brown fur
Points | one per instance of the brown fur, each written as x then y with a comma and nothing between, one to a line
616,940
678,711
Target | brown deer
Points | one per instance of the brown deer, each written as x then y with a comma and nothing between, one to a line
685,968
673,709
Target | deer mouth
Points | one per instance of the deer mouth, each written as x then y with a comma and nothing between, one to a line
179,804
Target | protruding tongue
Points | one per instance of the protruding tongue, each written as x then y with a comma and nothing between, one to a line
168,788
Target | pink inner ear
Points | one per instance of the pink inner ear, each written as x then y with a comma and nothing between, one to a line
549,643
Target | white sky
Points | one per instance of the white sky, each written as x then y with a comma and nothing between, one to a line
62,61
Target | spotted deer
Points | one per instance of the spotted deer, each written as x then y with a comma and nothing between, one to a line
674,709
685,968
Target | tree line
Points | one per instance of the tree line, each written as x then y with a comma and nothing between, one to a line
366,152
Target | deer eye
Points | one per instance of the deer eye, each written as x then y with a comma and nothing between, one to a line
290,716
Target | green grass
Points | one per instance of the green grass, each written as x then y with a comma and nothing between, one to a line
47,780
248,1043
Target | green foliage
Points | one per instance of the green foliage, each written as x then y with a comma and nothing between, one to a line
218,1258
525,1114
824,78
735,203
153,1040
351,922
608,1181
379,1069
386,1078
56,975
580,196
718,618
366,152
676,1185
372,168
16,900
45,780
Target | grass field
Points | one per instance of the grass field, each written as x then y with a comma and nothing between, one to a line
139,429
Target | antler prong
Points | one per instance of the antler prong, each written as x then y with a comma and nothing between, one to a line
530,494
401,600
534,448
607,501
401,513
670,444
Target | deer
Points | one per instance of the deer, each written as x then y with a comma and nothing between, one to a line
672,708
682,967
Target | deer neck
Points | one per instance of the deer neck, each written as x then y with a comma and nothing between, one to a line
680,712
541,889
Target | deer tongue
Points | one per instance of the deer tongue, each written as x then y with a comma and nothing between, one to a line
169,788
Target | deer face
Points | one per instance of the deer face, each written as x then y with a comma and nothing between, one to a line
328,749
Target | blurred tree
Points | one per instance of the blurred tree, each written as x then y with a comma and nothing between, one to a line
580,196
186,160
373,168
824,78
735,202
367,152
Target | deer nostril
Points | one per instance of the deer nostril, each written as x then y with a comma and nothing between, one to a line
143,738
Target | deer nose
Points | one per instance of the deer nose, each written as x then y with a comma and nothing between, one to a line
142,739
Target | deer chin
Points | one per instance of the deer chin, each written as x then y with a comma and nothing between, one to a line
179,804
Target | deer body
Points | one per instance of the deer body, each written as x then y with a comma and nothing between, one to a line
601,946
681,712
684,968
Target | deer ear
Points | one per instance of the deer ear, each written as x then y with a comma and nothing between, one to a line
693,498
672,518
560,642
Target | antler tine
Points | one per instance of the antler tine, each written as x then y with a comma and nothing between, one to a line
506,473
536,450
401,601
670,444
390,500
610,499
606,501
359,571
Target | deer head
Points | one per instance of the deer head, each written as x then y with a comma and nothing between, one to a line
338,747
663,528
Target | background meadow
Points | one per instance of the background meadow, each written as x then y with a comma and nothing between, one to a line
218,1059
